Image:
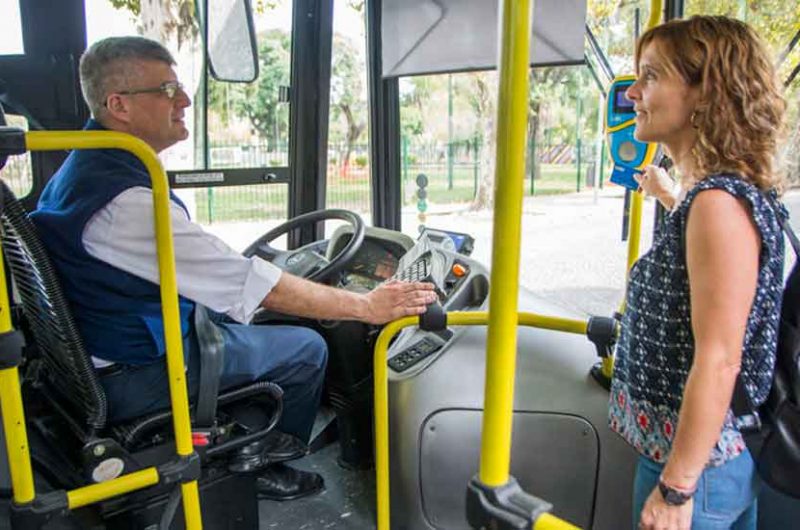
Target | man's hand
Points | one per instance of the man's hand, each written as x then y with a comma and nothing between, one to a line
396,299
658,515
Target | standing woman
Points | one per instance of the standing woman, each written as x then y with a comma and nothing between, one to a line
703,303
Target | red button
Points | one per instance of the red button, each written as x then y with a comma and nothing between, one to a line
459,270
199,439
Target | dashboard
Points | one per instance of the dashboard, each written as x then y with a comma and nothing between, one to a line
374,263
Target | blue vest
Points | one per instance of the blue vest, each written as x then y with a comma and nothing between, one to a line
118,314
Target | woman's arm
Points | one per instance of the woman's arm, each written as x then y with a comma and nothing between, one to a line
722,256
656,182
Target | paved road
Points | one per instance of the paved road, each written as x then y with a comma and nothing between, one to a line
571,252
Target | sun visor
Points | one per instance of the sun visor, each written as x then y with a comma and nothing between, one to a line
436,36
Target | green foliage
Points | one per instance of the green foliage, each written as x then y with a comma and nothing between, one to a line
258,101
134,6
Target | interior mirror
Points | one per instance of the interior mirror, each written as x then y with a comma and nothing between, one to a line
231,40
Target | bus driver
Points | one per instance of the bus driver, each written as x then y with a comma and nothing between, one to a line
95,219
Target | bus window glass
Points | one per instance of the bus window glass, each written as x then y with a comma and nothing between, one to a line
571,250
239,214
18,173
10,28
177,31
348,173
248,123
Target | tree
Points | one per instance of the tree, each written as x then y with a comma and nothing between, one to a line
163,20
482,101
348,97
259,101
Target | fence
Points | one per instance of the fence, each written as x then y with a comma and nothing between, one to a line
453,171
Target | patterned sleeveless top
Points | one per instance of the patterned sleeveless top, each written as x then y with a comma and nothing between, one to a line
656,345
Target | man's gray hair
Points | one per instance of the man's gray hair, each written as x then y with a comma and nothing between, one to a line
110,64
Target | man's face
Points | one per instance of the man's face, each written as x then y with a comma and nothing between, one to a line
148,113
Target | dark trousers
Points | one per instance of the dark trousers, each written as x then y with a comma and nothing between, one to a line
291,356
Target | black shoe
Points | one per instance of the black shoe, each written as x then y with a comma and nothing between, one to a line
273,448
280,482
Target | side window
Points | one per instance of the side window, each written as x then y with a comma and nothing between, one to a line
348,178
18,173
10,28
248,123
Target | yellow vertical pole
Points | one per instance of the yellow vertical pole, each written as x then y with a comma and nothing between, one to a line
637,202
501,348
19,458
635,223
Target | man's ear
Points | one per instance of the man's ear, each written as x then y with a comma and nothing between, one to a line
118,107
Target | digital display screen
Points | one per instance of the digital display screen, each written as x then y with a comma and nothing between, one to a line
622,104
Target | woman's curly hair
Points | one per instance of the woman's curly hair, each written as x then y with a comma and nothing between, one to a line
739,118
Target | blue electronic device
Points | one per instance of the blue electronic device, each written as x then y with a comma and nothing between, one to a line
630,156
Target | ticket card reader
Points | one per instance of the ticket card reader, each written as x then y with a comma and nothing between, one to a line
630,156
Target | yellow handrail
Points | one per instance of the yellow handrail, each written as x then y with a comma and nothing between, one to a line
14,421
80,497
19,458
476,318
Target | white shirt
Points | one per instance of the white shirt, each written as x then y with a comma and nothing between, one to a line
209,272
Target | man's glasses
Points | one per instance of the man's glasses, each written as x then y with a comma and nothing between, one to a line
169,88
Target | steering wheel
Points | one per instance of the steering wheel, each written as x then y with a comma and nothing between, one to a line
307,261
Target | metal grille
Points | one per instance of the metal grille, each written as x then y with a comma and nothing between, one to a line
67,366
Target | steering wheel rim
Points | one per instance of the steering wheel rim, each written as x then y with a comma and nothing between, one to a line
338,262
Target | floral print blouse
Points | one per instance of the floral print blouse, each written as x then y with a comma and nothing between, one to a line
656,345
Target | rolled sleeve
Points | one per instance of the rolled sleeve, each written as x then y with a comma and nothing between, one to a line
260,280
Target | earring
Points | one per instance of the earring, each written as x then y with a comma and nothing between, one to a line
692,118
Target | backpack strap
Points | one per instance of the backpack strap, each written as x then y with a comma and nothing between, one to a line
746,416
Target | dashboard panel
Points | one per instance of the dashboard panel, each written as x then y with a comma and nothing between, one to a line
373,264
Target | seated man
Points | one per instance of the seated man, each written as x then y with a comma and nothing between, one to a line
95,219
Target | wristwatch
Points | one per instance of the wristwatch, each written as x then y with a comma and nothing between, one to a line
672,496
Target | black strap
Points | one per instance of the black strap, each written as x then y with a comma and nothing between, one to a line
212,352
746,416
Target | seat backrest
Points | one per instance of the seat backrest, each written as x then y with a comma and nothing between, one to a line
68,375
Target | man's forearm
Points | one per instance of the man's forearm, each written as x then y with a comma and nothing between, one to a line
299,297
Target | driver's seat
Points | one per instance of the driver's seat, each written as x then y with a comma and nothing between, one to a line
62,378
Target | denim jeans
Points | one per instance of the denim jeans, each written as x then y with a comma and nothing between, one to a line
293,357
725,498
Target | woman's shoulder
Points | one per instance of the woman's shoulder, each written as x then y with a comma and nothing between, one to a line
758,201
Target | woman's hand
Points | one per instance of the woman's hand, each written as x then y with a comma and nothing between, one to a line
658,515
657,183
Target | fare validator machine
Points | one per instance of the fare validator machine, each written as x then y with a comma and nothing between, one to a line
630,156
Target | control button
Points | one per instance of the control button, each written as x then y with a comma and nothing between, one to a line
459,270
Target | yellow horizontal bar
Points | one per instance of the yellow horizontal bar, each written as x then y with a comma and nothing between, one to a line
80,497
548,521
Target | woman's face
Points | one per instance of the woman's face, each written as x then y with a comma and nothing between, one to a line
664,103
